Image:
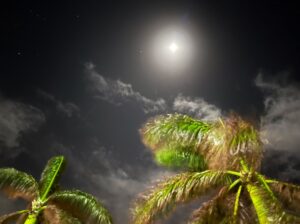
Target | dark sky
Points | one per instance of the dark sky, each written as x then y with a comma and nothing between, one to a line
79,78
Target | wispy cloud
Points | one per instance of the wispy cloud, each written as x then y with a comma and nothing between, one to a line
69,109
196,107
118,92
281,124
16,119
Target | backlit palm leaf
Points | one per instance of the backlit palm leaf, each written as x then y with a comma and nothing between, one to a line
178,189
180,158
82,206
268,209
220,210
211,211
9,218
54,215
18,184
173,129
51,175
288,193
221,143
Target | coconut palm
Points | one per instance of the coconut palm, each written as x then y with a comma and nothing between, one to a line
47,204
222,158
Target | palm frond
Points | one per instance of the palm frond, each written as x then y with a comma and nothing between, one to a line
268,209
18,184
231,139
54,215
51,175
220,210
288,194
82,206
9,218
179,158
211,211
178,189
221,143
237,203
174,130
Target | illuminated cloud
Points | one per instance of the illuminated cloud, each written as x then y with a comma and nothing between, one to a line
16,119
69,109
280,125
118,92
196,107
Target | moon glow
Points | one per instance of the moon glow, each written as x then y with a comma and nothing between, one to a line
173,47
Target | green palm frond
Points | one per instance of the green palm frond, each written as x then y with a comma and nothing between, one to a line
51,175
287,193
82,206
237,203
221,143
54,215
178,189
9,218
179,158
174,130
268,209
18,184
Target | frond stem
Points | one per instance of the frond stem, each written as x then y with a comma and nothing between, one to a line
236,203
234,184
233,173
266,186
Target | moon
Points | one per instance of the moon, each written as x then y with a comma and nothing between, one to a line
173,47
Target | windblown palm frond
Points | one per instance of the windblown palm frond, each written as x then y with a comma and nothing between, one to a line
54,215
82,206
178,189
268,209
287,193
180,158
173,129
220,210
211,211
50,176
220,143
9,218
18,184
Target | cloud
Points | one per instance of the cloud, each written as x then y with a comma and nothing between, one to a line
196,107
16,119
280,125
118,92
68,109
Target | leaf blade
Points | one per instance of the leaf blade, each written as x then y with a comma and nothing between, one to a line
51,175
178,189
18,184
82,206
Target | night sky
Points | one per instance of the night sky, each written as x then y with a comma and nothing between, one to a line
79,78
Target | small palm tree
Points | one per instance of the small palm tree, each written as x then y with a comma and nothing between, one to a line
47,203
230,152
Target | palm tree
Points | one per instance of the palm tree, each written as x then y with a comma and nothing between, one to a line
47,203
230,152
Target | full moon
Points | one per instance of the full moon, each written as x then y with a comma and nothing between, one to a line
173,47
172,51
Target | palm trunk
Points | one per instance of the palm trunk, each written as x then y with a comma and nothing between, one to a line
32,218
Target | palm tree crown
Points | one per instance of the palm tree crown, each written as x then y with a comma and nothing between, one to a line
47,203
230,152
